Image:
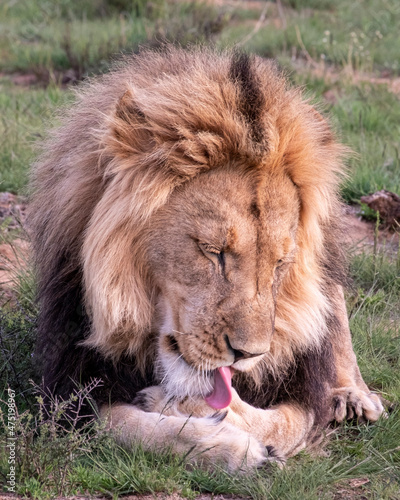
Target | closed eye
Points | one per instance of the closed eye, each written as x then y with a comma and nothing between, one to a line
221,259
214,254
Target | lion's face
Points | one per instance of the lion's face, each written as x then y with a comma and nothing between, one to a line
219,252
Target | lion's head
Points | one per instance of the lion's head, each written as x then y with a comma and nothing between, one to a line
219,252
193,205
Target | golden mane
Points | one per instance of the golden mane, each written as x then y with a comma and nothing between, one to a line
157,121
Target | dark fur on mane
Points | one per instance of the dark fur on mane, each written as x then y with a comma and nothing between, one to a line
252,101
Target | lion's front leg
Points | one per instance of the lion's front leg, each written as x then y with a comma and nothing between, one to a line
351,396
284,429
202,440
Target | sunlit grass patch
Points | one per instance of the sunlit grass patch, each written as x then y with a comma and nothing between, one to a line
82,45
360,35
24,114
50,40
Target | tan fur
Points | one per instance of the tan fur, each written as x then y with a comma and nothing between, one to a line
156,172
286,427
202,440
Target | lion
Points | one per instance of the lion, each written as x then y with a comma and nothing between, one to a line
185,225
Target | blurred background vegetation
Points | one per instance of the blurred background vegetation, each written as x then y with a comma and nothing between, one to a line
346,56
346,52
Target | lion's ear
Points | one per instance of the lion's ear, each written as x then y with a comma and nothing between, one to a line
127,109
129,129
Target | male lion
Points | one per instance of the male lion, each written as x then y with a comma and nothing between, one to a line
185,232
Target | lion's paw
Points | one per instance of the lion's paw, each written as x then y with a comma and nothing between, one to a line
211,439
238,450
351,402
154,399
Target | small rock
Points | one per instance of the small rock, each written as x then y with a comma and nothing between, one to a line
331,96
388,206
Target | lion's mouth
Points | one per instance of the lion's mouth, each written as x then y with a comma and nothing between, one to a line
182,379
221,395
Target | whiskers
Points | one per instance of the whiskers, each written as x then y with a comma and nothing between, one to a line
167,372
182,333
181,379
203,375
273,364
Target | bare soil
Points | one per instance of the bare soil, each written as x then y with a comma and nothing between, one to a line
14,247
360,234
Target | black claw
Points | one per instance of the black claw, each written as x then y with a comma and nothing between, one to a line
391,407
271,451
219,416
338,403
140,400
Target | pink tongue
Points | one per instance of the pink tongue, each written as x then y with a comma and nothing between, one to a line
221,396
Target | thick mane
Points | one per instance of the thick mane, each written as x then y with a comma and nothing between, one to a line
135,135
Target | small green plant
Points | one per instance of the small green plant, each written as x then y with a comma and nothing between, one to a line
46,443
368,213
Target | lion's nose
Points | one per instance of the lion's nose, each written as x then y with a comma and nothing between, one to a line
245,355
240,353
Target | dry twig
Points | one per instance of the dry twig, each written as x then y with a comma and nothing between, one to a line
256,28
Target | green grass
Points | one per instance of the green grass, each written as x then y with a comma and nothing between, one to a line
49,38
361,34
24,114
367,118
88,9
105,468
83,45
